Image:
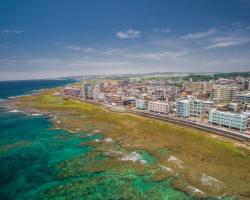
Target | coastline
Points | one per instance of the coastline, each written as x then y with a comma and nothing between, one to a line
132,142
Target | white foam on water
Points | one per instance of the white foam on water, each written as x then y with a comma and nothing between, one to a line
176,161
36,114
167,169
109,140
210,181
134,156
195,190
97,140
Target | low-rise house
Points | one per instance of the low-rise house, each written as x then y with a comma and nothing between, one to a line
158,107
141,104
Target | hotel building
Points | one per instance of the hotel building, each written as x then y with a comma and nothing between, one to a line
231,120
190,106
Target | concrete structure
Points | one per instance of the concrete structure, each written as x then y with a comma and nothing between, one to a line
243,98
116,100
96,92
158,107
71,91
233,107
206,85
87,91
231,120
141,104
183,108
196,106
189,107
223,93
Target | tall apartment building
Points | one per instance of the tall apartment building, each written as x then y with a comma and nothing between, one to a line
158,107
206,85
96,92
223,93
183,108
231,120
196,106
189,107
141,104
87,91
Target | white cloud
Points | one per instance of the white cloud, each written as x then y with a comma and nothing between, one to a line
10,32
198,35
90,50
129,34
163,30
72,47
227,42
113,51
160,55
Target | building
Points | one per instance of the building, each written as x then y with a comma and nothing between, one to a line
233,107
87,91
243,98
223,93
71,91
183,108
116,100
141,104
96,92
189,107
231,120
196,106
206,85
158,107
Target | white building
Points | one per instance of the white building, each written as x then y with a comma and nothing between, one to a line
190,106
231,120
141,104
96,92
183,108
223,92
196,106
159,107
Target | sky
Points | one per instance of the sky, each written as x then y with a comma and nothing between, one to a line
47,39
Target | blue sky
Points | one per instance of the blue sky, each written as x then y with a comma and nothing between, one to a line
45,39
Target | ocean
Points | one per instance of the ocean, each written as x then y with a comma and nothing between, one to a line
38,162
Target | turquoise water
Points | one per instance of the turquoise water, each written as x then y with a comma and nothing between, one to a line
29,153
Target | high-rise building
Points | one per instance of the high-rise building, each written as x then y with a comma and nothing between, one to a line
223,93
189,107
183,108
231,120
96,92
196,106
87,91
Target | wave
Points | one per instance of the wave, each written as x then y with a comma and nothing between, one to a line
134,156
36,114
